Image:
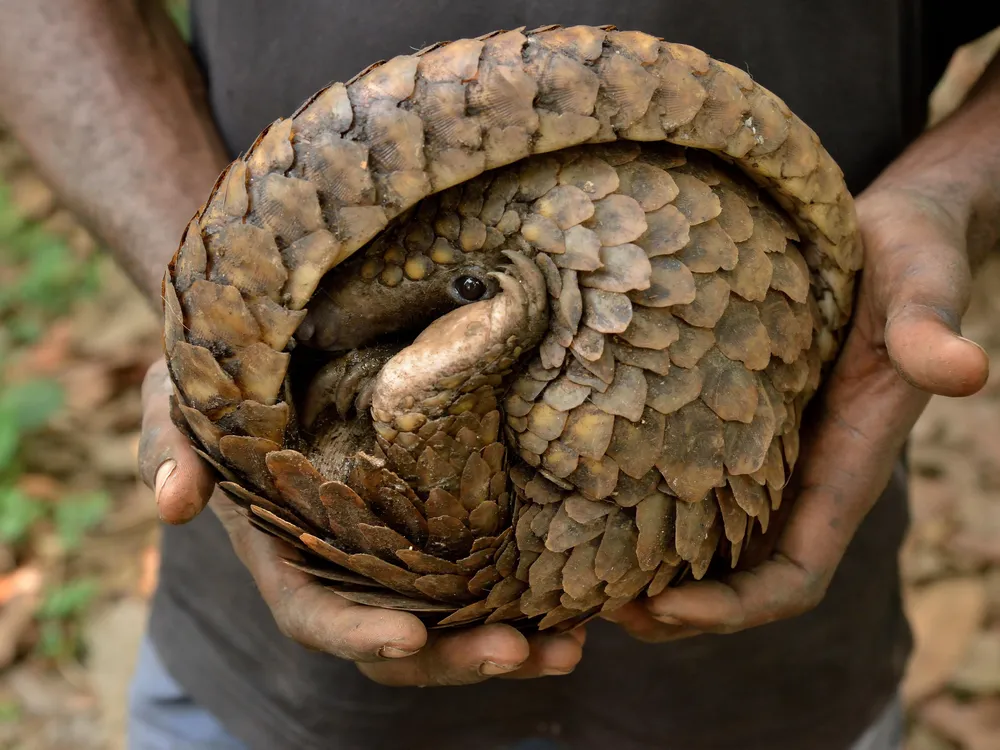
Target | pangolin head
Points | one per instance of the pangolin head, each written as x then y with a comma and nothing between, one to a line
447,285
385,290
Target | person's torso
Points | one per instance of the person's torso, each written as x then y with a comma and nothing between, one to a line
849,69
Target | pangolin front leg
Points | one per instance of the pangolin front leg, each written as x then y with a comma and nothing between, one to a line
435,403
470,343
345,382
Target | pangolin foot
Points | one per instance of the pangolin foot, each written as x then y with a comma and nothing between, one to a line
346,382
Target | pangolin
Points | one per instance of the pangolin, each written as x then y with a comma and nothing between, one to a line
517,328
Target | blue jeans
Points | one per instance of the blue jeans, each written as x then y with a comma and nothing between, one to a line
163,717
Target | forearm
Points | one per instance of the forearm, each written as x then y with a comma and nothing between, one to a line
103,96
957,165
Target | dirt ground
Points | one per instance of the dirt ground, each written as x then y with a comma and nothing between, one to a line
951,560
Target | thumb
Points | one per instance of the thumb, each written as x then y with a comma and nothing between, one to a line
930,354
182,482
916,259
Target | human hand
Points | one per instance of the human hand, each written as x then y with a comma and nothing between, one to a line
904,345
389,647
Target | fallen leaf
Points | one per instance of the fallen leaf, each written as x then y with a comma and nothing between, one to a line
47,355
944,616
8,560
45,692
992,579
25,580
975,725
922,562
931,499
12,155
31,197
922,738
965,67
40,486
116,455
979,671
64,224
87,384
150,572
978,539
16,620
977,548
20,596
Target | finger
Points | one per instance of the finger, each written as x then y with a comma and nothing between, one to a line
637,620
181,481
551,655
777,589
459,658
309,613
930,354
922,254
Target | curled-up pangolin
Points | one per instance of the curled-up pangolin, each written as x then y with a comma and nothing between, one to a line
516,328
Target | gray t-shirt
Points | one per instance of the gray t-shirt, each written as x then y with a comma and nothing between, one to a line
858,72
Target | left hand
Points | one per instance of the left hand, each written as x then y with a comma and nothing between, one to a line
904,345
388,646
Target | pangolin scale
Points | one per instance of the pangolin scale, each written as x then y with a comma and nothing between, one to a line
596,278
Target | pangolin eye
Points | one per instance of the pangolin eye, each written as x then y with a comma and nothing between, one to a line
470,288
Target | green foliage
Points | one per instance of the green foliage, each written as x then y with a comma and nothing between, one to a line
75,515
59,617
178,10
43,278
48,278
29,405
68,601
10,437
24,407
72,516
10,221
40,280
10,712
18,513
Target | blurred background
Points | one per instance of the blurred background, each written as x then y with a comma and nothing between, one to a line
78,531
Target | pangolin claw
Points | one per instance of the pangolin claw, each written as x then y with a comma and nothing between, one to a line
345,383
525,283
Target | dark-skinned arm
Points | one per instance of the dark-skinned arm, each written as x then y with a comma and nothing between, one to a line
105,97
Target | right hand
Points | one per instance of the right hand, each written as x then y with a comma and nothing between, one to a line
389,647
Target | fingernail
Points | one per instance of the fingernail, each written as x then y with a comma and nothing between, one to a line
667,619
553,672
162,475
491,668
391,652
970,341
